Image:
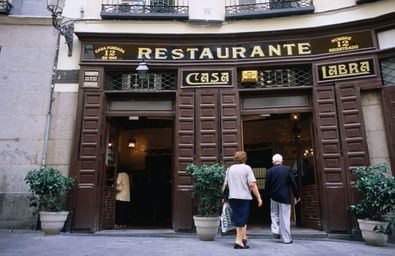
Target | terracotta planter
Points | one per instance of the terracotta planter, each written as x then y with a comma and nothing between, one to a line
206,227
370,236
52,222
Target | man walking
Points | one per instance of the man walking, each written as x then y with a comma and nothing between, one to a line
279,179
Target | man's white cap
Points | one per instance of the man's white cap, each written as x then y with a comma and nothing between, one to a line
277,158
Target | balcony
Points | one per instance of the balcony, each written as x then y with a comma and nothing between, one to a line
251,9
5,7
145,9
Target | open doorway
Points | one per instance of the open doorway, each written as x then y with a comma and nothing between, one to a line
141,152
291,136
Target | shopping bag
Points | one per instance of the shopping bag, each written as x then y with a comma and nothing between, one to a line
227,218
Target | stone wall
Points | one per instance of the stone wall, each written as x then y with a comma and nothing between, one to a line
374,126
26,60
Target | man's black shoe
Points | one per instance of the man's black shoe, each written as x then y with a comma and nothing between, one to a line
277,236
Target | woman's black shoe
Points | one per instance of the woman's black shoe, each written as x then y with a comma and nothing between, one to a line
244,242
237,246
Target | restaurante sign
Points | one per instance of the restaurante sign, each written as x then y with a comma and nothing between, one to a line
258,50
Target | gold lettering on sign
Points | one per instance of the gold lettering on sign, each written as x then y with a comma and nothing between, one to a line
177,54
207,78
222,55
225,52
160,53
343,43
346,69
206,53
110,52
144,53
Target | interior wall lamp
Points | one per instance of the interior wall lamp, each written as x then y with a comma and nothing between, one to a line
66,28
110,143
132,143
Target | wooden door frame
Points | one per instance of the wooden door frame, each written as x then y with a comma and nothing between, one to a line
307,110
165,113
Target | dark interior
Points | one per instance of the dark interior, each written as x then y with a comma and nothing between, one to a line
150,183
265,135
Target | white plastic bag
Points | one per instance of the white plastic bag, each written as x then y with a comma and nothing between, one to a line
227,218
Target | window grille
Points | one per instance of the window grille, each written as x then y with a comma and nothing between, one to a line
286,77
388,71
158,81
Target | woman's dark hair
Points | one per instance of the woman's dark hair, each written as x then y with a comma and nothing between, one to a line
240,157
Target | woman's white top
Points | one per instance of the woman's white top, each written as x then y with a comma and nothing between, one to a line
238,177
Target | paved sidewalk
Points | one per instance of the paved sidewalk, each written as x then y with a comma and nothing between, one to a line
21,243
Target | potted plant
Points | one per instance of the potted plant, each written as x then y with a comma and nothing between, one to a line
48,189
207,189
377,189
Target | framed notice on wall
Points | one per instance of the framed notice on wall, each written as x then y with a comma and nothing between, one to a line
91,79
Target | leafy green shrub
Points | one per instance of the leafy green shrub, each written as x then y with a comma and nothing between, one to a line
208,187
378,194
48,187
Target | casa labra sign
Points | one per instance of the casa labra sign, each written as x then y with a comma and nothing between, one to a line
258,50
208,78
343,70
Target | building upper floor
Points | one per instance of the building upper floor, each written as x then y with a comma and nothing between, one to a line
219,16
200,16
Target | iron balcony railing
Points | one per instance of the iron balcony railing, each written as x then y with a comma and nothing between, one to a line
235,9
145,9
5,7
129,81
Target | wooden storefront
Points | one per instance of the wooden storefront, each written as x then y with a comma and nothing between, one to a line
208,110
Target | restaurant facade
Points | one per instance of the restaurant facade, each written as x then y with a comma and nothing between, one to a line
151,102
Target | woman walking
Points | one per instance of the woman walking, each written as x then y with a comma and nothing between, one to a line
241,181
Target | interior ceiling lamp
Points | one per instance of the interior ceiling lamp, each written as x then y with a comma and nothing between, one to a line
132,143
295,117
66,28
142,69
308,152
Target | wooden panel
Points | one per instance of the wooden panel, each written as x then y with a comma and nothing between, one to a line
183,208
87,167
230,125
353,135
185,152
330,164
206,127
389,113
107,219
311,217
